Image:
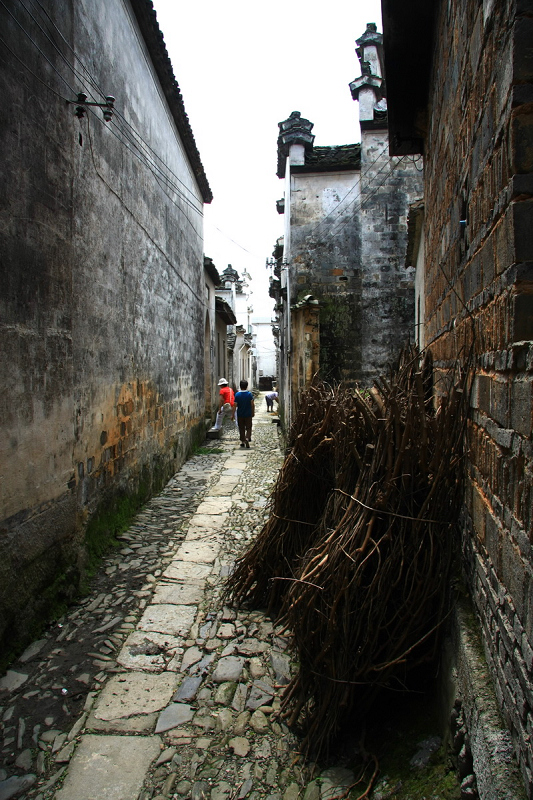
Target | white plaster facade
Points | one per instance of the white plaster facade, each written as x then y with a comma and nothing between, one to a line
264,347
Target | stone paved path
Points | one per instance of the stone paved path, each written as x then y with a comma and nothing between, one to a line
151,688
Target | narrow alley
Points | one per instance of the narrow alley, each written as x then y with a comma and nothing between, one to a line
150,687
368,262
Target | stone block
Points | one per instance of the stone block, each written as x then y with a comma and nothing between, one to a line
175,620
523,51
187,571
523,141
109,766
504,437
492,540
481,393
138,723
134,693
173,716
504,248
514,573
527,653
178,593
499,401
147,650
215,433
478,511
523,230
212,505
228,669
487,258
522,316
198,552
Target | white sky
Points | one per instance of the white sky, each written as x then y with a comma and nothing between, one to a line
242,67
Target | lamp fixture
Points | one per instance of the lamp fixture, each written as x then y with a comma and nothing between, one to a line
81,106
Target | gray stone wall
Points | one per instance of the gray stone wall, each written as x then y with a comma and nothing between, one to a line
349,253
478,280
388,187
326,263
102,303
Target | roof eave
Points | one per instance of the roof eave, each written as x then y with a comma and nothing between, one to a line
153,37
408,30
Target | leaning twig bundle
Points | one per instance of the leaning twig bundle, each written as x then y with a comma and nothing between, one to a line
319,450
356,554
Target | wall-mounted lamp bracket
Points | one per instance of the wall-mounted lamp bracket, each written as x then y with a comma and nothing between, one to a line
81,106
271,263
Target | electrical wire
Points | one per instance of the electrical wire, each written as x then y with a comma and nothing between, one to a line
356,184
95,84
139,155
89,76
155,168
28,69
375,189
121,133
88,90
212,225
133,146
172,200
56,48
340,220
110,188
150,149
138,222
37,47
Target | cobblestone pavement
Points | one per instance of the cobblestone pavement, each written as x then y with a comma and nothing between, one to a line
150,687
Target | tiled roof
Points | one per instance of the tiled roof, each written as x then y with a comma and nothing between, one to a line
211,270
327,159
153,37
225,311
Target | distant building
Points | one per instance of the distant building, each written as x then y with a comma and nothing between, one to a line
264,346
344,297
234,291
219,315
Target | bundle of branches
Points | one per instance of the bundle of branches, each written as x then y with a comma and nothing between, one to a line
325,437
357,551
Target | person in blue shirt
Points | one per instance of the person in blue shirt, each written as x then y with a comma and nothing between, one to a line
244,401
270,397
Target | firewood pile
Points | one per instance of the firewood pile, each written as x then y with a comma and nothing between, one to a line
355,557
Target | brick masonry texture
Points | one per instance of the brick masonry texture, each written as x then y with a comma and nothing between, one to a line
479,292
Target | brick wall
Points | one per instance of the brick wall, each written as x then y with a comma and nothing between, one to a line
479,291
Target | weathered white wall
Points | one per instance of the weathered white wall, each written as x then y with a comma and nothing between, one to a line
325,262
264,346
210,349
314,196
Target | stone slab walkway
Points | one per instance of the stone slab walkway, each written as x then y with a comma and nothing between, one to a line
151,688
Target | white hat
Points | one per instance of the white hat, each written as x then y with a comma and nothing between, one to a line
222,381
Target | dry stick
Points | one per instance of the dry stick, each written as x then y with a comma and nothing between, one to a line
342,586
372,780
296,580
392,513
296,521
